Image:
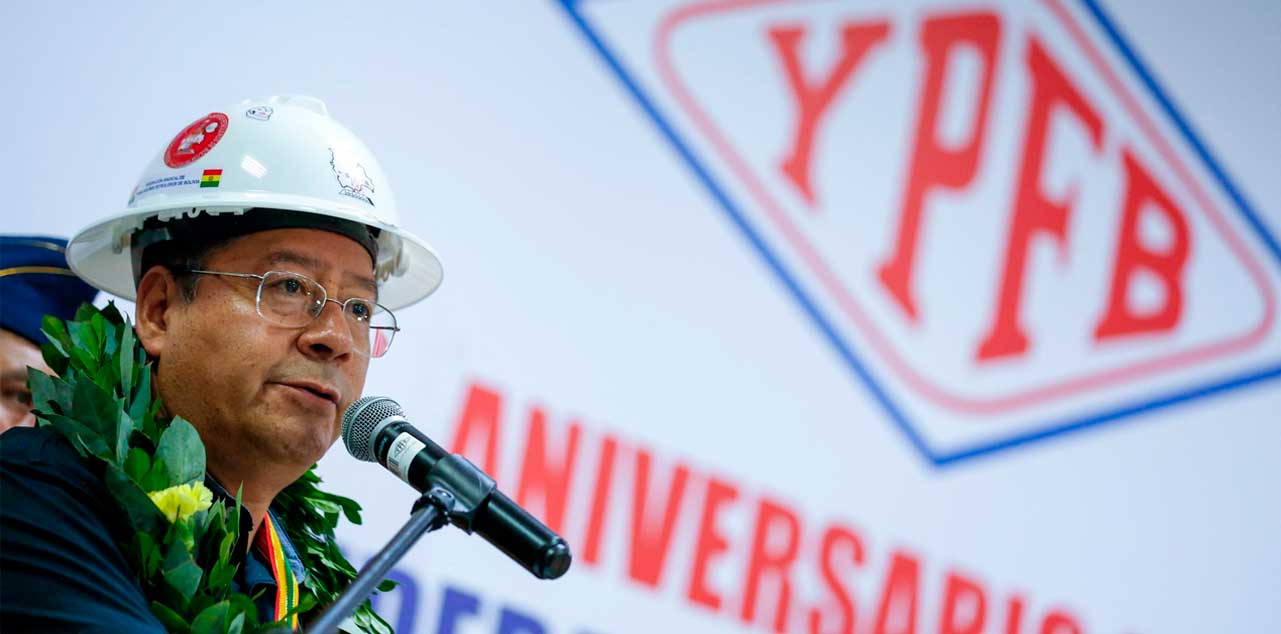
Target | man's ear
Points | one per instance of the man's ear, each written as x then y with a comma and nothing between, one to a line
158,297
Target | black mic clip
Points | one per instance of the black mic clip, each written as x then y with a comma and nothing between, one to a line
459,489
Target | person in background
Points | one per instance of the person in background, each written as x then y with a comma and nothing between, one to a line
34,281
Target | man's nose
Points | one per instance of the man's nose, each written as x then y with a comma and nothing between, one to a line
329,335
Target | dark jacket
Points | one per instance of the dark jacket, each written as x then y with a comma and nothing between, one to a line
60,568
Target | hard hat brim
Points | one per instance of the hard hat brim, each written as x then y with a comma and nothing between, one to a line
99,253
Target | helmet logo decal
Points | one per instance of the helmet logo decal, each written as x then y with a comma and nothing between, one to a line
351,175
261,113
196,140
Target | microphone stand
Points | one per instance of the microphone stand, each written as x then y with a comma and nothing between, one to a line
456,493
430,513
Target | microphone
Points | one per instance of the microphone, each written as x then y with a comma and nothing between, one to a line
374,429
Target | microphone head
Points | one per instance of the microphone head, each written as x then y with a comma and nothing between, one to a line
360,424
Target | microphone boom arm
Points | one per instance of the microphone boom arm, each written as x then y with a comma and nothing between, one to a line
428,515
459,488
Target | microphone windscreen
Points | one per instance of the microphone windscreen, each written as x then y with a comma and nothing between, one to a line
360,424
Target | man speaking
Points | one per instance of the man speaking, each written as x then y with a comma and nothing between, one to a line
263,253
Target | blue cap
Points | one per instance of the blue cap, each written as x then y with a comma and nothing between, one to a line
35,281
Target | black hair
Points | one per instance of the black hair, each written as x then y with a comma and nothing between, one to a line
180,257
182,245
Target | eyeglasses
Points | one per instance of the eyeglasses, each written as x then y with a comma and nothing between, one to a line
293,300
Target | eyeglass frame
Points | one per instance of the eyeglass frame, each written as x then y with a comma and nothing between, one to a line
342,306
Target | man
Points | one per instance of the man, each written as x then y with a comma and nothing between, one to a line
264,285
34,281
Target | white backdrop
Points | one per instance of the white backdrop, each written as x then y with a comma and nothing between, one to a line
593,277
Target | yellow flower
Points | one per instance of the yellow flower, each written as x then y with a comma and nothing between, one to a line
181,501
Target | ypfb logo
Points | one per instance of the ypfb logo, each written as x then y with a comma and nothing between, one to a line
993,214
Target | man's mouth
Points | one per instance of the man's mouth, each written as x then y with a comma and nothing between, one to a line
318,390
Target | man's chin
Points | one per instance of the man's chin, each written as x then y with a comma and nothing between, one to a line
302,441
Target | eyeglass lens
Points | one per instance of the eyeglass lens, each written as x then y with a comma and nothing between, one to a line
292,300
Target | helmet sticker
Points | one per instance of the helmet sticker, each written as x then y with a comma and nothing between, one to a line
261,113
211,178
165,183
351,175
196,140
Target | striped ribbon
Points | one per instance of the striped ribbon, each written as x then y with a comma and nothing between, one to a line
286,586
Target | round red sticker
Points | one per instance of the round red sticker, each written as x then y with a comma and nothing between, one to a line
196,140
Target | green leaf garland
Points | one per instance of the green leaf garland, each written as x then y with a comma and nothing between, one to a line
102,402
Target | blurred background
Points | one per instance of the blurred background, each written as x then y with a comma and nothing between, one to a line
791,316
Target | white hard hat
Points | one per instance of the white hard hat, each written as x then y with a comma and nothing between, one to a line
279,153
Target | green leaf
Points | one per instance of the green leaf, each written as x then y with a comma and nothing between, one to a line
212,620
126,362
141,511
85,311
57,361
56,331
151,421
228,540
242,604
86,340
157,477
111,313
124,429
305,602
111,343
86,440
99,327
46,390
95,408
350,508
148,554
174,623
237,624
199,522
387,585
80,447
81,359
369,621
220,576
137,464
142,406
180,533
201,602
310,477
180,572
182,451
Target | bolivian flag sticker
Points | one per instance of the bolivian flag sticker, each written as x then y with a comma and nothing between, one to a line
210,178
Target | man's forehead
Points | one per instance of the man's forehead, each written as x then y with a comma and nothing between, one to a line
314,252
289,258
